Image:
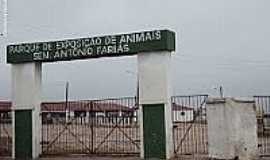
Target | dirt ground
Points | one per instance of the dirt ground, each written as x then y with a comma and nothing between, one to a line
133,158
77,139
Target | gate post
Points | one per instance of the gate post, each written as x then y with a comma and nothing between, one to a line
26,121
155,105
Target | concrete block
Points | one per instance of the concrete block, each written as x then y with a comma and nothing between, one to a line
219,131
232,128
246,144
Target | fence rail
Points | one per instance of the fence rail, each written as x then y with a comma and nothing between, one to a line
111,126
263,123
5,134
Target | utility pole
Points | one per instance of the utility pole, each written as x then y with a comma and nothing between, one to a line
4,14
137,93
221,91
67,87
137,89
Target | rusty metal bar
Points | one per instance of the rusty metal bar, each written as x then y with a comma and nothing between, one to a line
189,121
104,126
262,105
5,133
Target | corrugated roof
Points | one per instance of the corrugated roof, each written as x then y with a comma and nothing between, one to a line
5,105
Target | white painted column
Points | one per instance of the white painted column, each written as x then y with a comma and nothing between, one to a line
155,88
26,95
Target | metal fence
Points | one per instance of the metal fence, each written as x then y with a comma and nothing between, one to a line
5,134
111,126
263,123
189,124
107,126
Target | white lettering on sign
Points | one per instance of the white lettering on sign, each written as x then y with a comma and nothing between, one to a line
86,42
89,47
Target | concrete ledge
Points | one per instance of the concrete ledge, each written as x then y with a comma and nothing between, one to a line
215,100
14,108
243,100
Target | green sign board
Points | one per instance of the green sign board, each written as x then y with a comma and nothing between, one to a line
95,47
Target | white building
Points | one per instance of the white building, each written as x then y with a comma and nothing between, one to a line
182,113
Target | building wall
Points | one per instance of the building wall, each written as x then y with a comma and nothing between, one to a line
183,116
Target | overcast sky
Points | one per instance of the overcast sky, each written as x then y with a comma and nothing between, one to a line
219,42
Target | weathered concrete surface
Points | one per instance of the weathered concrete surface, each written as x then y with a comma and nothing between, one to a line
246,144
220,129
232,129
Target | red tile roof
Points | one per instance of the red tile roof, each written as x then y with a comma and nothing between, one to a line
5,105
178,107
74,106
86,106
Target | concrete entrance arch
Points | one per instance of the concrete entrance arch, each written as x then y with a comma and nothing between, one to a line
154,50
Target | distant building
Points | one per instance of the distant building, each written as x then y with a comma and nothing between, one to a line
57,112
5,114
182,113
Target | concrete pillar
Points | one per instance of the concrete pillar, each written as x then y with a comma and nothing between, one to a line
155,105
220,129
246,143
232,128
26,120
